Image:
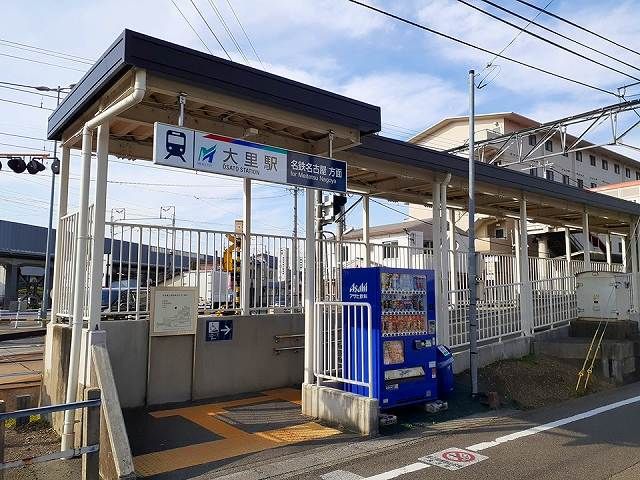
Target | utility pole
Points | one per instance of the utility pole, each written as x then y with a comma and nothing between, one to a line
167,209
47,262
471,258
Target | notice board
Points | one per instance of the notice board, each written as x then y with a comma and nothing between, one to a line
174,311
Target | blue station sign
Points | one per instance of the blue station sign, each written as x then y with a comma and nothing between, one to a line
207,152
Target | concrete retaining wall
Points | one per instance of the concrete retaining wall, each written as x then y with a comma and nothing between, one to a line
127,342
345,410
56,369
246,363
511,348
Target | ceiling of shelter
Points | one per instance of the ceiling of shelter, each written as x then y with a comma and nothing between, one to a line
417,188
131,132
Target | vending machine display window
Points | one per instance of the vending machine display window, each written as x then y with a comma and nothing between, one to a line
393,352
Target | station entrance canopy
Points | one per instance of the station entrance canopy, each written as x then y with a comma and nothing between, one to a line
237,101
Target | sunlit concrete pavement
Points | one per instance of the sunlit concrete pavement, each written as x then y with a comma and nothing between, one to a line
595,437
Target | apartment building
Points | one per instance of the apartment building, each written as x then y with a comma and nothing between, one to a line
591,168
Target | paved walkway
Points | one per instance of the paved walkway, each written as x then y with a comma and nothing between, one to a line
182,441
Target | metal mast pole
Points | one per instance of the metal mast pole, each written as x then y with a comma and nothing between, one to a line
471,259
294,252
47,262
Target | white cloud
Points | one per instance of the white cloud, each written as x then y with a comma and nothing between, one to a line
411,101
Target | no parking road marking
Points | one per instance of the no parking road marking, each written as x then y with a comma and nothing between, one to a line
453,458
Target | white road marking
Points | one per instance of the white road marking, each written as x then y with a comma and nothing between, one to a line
414,467
548,426
341,475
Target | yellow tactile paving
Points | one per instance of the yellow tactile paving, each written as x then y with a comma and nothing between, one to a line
299,433
191,455
235,442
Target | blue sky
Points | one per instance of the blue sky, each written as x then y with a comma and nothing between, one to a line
415,77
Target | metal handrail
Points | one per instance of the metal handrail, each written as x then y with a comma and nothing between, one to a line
287,349
50,409
277,338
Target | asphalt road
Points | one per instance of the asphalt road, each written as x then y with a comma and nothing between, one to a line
595,437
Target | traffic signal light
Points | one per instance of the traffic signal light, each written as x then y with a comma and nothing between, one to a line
34,166
17,164
333,207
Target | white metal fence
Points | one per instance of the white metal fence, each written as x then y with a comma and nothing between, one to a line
138,257
65,264
499,303
343,344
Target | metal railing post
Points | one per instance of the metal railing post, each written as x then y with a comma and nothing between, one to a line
3,409
91,435
369,352
245,263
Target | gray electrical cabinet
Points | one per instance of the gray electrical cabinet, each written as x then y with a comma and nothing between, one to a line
603,296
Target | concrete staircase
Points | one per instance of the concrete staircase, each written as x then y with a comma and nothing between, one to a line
618,357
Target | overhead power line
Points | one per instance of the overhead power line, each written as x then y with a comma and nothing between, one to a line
210,29
529,22
25,104
245,33
561,35
32,60
191,26
573,24
229,32
470,45
69,55
44,52
16,89
546,40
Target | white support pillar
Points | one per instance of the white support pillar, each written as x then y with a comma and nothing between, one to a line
63,201
99,212
80,284
436,231
245,262
526,294
543,253
635,278
309,286
453,265
625,262
444,264
567,255
365,230
586,240
607,244
517,249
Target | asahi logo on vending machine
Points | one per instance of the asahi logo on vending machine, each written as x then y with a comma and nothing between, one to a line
358,292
